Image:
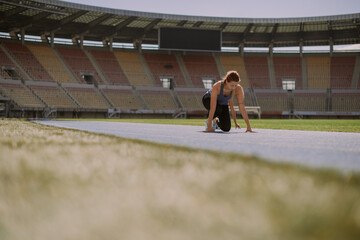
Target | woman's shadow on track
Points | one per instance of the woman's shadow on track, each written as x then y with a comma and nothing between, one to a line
221,132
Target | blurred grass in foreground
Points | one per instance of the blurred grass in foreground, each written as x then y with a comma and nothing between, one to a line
65,184
330,125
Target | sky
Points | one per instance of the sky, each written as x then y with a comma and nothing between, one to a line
235,8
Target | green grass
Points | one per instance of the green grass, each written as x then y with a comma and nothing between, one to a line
67,184
288,124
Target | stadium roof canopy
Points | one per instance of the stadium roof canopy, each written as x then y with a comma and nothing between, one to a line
51,18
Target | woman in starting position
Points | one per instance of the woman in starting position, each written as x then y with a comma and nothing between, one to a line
218,99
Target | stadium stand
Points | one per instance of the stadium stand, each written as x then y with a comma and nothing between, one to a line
272,102
19,94
236,63
28,62
342,69
310,100
164,65
190,98
110,67
80,65
318,68
132,68
8,69
50,62
288,68
323,73
121,97
201,67
85,95
257,72
345,101
51,94
157,98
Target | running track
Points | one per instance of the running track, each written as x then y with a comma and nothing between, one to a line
310,148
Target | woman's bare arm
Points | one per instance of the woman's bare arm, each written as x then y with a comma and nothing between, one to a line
240,98
233,113
213,102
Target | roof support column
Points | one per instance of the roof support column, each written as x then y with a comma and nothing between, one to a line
301,37
14,35
271,68
111,44
241,49
331,42
82,41
271,49
356,74
137,45
108,43
22,36
52,37
301,45
304,73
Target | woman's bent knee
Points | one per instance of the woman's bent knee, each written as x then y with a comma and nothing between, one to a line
226,129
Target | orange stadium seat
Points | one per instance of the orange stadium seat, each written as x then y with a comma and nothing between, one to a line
342,69
257,72
110,67
121,97
157,98
6,63
272,101
28,61
164,65
132,68
288,68
310,101
51,94
50,62
85,95
345,101
236,63
200,67
79,64
318,68
191,98
21,95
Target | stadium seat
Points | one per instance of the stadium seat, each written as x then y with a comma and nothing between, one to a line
77,61
345,101
21,95
110,67
121,97
28,62
310,101
85,95
318,68
191,98
50,93
6,63
257,72
288,68
342,69
164,65
272,101
236,63
50,62
132,68
157,98
201,67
